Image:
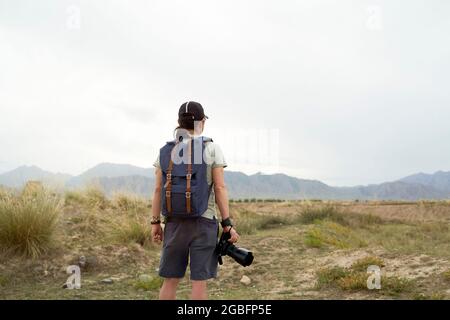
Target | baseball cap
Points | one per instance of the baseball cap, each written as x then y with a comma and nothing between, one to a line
192,108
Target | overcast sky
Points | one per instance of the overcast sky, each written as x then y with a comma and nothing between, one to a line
347,92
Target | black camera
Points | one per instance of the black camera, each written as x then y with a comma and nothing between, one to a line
224,248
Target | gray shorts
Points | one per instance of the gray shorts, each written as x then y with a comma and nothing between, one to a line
193,241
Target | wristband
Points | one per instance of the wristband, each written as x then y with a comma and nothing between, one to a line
226,223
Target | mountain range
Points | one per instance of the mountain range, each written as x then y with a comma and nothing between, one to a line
128,178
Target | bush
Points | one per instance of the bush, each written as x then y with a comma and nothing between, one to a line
28,221
248,222
74,198
148,283
91,196
310,215
4,193
350,279
332,234
364,263
446,275
396,285
331,213
353,281
134,230
129,202
329,276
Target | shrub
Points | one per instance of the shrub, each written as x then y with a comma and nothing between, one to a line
134,230
148,283
446,275
348,279
332,234
310,215
4,193
353,281
314,239
329,276
364,263
3,280
74,197
92,196
129,202
28,221
396,285
248,222
95,197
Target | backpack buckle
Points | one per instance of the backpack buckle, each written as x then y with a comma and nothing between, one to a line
188,195
168,194
189,176
169,176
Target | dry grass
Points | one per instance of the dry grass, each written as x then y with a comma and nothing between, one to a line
28,221
446,275
148,283
114,236
130,202
133,230
329,233
364,263
355,279
249,222
91,196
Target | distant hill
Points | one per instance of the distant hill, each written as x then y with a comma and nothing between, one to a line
128,178
139,185
17,178
439,180
109,170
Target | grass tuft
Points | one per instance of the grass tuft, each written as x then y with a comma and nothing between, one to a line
92,196
329,276
148,283
249,222
133,229
311,215
130,202
348,279
28,221
364,263
446,275
328,233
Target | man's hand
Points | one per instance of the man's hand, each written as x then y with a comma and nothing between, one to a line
234,235
157,233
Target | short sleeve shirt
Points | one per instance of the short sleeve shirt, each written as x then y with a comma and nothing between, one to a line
214,158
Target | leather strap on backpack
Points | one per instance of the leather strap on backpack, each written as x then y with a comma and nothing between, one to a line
188,178
168,185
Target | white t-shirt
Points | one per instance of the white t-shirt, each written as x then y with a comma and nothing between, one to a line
214,158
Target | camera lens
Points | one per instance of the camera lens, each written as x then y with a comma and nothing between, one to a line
242,256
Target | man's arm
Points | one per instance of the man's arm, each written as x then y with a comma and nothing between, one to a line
220,189
157,233
221,193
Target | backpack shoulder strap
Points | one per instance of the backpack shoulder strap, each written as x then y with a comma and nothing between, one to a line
207,139
171,142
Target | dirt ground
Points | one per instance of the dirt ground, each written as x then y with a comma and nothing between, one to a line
294,259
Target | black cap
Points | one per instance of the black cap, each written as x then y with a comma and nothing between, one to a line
192,108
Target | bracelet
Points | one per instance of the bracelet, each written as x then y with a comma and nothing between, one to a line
155,220
226,223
